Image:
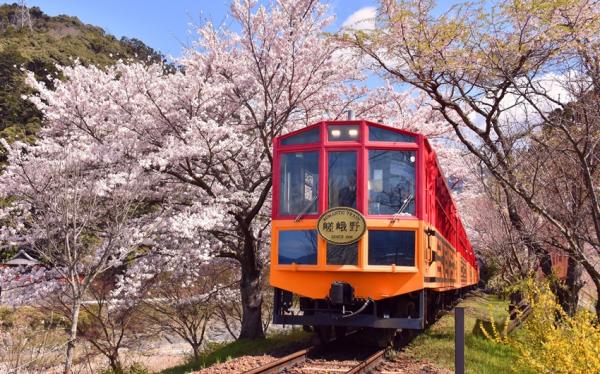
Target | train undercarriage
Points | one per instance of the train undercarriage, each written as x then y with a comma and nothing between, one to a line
341,311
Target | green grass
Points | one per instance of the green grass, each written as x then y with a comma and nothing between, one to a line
221,352
482,356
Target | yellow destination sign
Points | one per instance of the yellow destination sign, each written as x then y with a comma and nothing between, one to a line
341,225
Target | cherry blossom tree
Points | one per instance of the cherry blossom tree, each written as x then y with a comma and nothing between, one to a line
211,127
107,323
184,302
496,74
78,213
499,246
203,134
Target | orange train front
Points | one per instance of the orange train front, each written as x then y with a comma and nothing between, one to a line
365,232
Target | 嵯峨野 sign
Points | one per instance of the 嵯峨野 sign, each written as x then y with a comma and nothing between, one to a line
341,225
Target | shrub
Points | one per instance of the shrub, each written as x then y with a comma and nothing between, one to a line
28,343
551,341
135,368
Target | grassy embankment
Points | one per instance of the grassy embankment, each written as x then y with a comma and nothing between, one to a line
482,355
221,352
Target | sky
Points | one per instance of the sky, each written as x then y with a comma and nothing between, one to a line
167,26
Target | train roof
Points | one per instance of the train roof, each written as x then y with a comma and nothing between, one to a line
351,122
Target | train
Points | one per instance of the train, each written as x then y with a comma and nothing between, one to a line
365,233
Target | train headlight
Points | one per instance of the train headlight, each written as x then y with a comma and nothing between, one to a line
353,133
336,133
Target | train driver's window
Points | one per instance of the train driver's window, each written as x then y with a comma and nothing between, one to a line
342,179
297,246
299,183
388,247
392,182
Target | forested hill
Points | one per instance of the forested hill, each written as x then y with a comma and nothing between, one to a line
31,39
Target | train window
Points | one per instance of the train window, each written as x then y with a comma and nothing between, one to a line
377,134
337,133
299,183
297,246
342,179
392,182
305,137
391,247
342,254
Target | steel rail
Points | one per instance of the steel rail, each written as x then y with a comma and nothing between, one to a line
295,358
283,363
370,363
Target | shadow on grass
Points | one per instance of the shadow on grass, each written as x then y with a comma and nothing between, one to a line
278,344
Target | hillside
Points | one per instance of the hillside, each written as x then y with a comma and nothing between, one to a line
37,42
49,41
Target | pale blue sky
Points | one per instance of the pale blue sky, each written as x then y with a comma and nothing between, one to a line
167,26
163,25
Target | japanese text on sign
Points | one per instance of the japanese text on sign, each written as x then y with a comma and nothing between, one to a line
341,225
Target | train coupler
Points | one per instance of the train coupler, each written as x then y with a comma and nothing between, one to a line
341,293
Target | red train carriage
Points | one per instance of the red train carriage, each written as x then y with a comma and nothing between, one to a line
365,232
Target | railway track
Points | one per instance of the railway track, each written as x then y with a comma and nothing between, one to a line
300,362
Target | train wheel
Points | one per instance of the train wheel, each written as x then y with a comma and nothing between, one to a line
384,337
380,338
404,337
324,333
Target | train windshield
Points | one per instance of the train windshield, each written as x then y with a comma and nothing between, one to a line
299,183
342,179
392,182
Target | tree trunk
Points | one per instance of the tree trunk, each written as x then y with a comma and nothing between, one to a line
594,276
597,284
513,306
573,285
252,301
72,336
196,350
115,363
251,292
597,306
